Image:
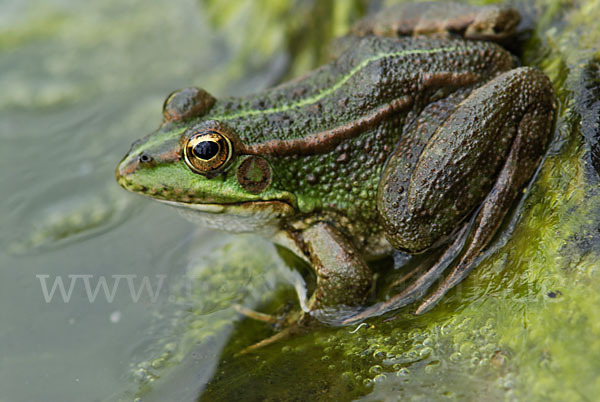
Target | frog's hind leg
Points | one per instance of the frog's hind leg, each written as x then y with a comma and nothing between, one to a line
419,287
486,223
482,156
506,188
524,155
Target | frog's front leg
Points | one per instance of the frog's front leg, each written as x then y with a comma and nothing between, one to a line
492,22
482,155
343,280
343,276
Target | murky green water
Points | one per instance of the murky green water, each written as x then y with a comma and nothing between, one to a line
81,80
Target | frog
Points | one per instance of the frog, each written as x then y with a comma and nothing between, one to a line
419,134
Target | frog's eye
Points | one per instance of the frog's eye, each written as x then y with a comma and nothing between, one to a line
207,151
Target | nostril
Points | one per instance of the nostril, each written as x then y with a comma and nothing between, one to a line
145,158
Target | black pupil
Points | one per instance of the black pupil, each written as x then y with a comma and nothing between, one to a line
206,150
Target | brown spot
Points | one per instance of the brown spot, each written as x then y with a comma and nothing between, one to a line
254,174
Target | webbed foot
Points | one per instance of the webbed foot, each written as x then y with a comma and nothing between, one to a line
293,324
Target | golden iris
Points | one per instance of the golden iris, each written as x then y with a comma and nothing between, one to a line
207,151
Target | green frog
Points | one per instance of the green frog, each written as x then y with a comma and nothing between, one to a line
420,134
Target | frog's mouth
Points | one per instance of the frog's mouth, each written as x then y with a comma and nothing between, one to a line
271,207
175,185
262,217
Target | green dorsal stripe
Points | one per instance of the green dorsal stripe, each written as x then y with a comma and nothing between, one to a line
326,92
302,102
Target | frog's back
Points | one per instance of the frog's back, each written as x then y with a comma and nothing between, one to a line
373,73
